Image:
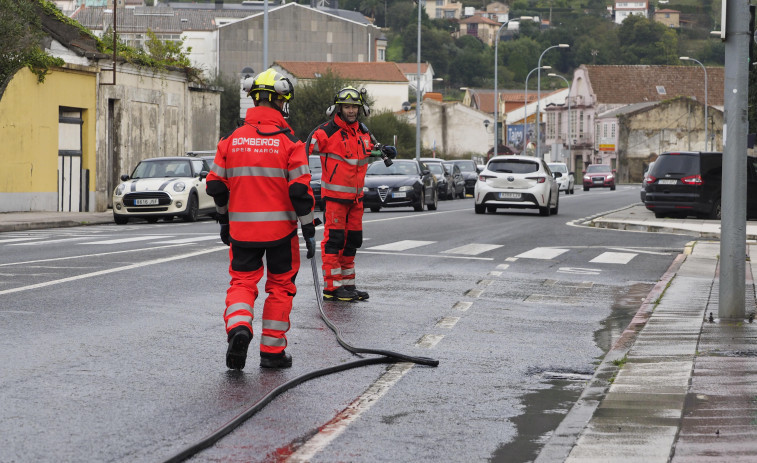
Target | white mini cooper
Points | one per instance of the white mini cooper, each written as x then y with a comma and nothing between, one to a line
163,188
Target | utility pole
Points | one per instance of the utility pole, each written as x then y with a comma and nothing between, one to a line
731,302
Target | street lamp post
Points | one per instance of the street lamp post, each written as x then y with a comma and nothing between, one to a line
525,103
538,95
417,93
552,74
686,58
496,66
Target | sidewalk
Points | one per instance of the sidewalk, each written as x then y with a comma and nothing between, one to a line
678,386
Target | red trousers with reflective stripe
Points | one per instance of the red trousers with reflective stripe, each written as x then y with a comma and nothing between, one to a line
246,270
337,251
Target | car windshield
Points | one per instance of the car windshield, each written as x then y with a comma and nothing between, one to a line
435,168
397,168
315,164
513,166
466,166
163,168
562,168
595,168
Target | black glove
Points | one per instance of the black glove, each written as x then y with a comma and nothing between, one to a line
389,151
225,233
308,232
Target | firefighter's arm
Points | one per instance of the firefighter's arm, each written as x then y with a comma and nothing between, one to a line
216,185
301,195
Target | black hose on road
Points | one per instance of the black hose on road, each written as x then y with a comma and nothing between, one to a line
386,357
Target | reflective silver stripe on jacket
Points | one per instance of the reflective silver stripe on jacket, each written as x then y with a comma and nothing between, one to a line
364,161
348,271
352,162
254,171
340,188
336,271
273,342
299,172
220,171
275,325
262,216
236,307
306,219
350,282
238,319
314,145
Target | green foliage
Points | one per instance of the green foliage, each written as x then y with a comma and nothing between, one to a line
386,126
646,41
21,32
229,103
167,51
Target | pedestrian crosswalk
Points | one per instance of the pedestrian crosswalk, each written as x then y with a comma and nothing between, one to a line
82,237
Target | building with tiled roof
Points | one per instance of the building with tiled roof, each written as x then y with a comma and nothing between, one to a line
385,83
481,27
626,8
671,18
599,89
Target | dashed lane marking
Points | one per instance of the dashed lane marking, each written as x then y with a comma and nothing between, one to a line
613,258
503,266
193,239
447,322
472,249
428,341
462,306
542,253
129,240
403,245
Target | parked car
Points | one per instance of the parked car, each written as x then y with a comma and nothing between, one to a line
515,181
443,177
406,183
458,180
645,180
165,188
689,184
314,163
470,172
567,181
599,176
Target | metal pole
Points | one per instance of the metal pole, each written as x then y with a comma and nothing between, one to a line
496,90
731,303
686,58
265,35
538,96
525,103
418,92
551,74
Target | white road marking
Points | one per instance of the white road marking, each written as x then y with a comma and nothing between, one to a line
640,251
472,249
129,240
407,254
42,242
503,266
495,273
429,340
470,293
447,322
462,306
14,240
579,271
193,239
403,245
111,270
339,423
614,258
542,253
511,259
89,255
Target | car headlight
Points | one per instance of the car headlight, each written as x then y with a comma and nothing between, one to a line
179,187
120,189
609,177
405,188
586,177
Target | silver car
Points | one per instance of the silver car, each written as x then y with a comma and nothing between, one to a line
522,182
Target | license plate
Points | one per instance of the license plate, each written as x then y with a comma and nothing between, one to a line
146,202
599,180
399,195
509,196
664,181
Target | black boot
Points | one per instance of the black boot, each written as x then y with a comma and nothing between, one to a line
361,295
236,354
340,294
282,360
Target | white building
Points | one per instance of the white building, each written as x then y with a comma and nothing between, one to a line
625,8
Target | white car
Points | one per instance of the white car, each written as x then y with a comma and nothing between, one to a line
522,182
567,181
163,188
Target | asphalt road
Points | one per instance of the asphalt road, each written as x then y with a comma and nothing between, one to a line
112,343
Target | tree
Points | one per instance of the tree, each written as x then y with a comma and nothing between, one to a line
385,126
308,108
229,103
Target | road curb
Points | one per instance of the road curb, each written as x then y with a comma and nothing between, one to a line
563,439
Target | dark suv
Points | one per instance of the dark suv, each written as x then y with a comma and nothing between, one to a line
689,183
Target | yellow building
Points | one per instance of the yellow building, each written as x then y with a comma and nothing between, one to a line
47,140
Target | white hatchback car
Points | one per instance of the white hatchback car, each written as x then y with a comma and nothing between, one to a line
522,182
163,188
566,182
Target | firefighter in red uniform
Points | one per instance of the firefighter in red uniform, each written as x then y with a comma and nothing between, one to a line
344,145
260,182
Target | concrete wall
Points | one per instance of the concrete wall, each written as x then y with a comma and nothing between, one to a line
674,125
295,33
29,113
457,129
149,114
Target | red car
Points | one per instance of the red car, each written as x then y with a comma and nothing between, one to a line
599,176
